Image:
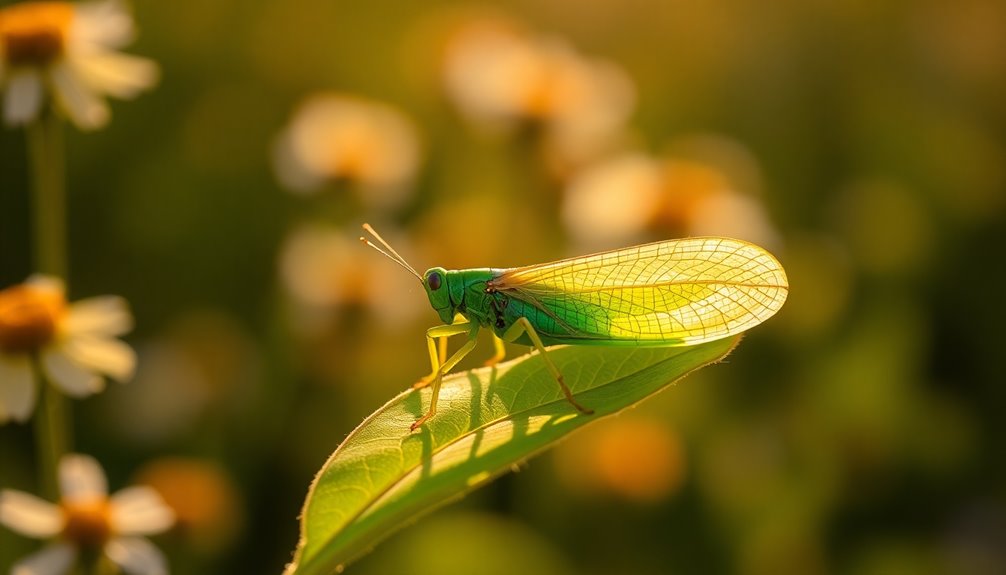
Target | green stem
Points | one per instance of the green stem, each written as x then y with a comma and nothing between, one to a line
51,434
45,150
45,147
94,562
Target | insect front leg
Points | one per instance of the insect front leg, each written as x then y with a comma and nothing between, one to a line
522,325
436,359
445,367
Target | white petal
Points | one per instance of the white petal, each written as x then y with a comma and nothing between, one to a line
102,24
104,315
290,169
140,510
104,355
29,515
120,75
69,376
52,560
18,391
81,478
136,556
87,110
24,97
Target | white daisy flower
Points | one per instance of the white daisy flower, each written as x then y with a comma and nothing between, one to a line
613,202
499,75
335,137
703,200
87,519
74,344
69,49
324,270
618,201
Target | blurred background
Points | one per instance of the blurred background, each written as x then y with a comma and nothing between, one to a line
861,142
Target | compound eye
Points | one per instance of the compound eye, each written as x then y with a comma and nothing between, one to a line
434,280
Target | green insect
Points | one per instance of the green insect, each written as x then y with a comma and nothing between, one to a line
670,293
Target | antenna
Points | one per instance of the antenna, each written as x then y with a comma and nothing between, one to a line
393,256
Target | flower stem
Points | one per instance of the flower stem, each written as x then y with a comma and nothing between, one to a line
51,434
94,562
45,150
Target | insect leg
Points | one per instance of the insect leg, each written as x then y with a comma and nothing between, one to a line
443,332
522,325
499,354
445,367
442,350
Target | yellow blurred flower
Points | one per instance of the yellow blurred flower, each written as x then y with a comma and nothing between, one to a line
203,497
612,203
701,200
499,75
87,519
634,458
335,137
74,344
619,200
326,269
69,49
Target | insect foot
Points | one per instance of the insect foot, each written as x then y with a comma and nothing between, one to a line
569,397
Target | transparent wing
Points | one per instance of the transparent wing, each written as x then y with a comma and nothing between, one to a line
679,291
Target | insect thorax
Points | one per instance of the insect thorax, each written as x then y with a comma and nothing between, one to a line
470,297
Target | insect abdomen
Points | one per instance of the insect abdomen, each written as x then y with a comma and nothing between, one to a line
514,309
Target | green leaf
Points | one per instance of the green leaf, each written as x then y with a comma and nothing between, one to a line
383,476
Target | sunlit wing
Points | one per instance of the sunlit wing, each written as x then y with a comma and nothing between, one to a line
679,291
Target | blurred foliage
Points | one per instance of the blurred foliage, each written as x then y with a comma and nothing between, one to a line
853,433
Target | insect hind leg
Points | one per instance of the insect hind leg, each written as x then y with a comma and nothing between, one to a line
522,325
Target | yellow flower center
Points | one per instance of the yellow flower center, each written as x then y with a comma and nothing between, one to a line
553,87
687,185
540,99
354,151
34,34
28,318
350,163
88,523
